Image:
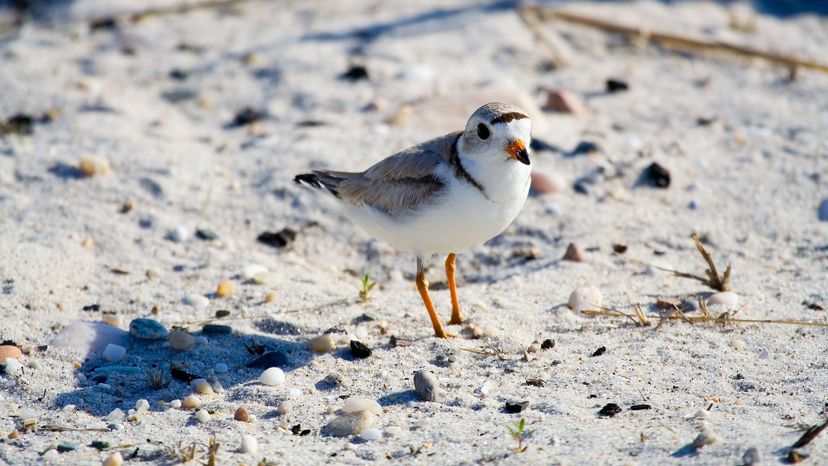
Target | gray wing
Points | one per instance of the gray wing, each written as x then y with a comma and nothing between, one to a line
397,185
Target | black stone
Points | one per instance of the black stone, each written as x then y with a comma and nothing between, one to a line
548,344
599,351
355,73
658,175
360,350
585,147
246,116
206,234
639,407
20,123
280,239
617,85
216,329
178,75
610,410
516,407
270,359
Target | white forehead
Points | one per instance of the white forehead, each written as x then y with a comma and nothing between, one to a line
521,127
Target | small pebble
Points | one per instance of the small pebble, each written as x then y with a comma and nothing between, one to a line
203,416
14,435
175,404
738,344
616,85
322,343
294,393
349,424
114,459
242,414
178,234
204,388
225,289
563,102
148,329
822,211
142,405
516,407
51,456
547,183
705,438
115,426
485,388
599,351
359,349
353,405
371,434
201,340
94,166
114,353
271,297
272,377
640,407
195,300
181,340
216,329
726,299
251,271
191,402
336,380
284,407
751,457
220,368
548,344
10,351
658,175
609,410
426,386
585,298
115,415
64,447
573,253
111,319
249,444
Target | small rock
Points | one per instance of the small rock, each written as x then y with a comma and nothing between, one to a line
588,148
640,407
115,415
751,457
609,410
727,299
203,416
563,102
64,447
738,344
272,377
371,434
181,340
251,271
322,343
142,405
204,388
548,344
705,438
355,73
573,253
216,329
284,407
270,359
336,380
175,404
516,407
225,289
195,300
426,386
616,85
247,116
822,211
249,444
206,234
599,351
51,456
220,368
658,175
148,329
271,297
349,424
547,183
585,298
114,353
178,234
10,351
353,405
14,435
191,402
94,166
89,337
242,414
280,239
359,350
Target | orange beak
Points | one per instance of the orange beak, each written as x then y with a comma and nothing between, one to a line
517,150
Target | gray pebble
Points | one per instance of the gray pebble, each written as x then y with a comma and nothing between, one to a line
148,329
349,424
426,386
216,329
751,457
335,380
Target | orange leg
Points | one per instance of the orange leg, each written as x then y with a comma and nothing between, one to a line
456,318
422,287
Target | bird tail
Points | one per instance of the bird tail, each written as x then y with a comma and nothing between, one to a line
322,180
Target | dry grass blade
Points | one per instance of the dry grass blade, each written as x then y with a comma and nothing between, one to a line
723,318
810,434
212,451
62,428
643,321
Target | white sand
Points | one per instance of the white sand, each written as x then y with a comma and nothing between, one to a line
757,174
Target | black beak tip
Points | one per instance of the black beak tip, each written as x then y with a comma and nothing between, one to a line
523,157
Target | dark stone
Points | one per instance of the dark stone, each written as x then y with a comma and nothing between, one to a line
617,85
103,24
246,116
516,407
178,75
297,430
280,239
270,359
639,407
585,147
599,351
619,248
658,175
355,73
610,410
20,123
548,344
205,234
360,350
216,329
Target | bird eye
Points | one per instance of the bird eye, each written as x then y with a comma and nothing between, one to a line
483,131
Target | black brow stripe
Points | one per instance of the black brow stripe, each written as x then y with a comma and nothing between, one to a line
507,117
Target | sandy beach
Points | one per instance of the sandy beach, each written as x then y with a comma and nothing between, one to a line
147,159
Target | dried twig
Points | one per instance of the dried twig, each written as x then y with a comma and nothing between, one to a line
679,41
723,318
712,278
809,435
63,428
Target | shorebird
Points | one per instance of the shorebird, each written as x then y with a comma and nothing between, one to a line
443,195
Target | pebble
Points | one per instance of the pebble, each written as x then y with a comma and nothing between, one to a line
216,329
726,299
10,351
148,329
271,297
220,368
203,416
705,438
609,410
616,85
142,405
359,349
195,300
115,415
371,434
822,211
516,407
181,340
249,444
175,404
426,386
353,405
284,407
178,234
242,414
294,393
225,289
204,388
563,102
270,359
115,426
89,337
738,344
51,456
251,271
658,175
13,367
335,380
272,377
322,343
114,459
751,457
191,402
94,166
547,183
114,353
585,298
573,253
485,388
349,424
548,344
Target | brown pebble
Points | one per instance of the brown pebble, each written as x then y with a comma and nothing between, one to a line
225,289
88,243
94,166
573,253
10,351
242,414
14,434
181,340
204,388
547,183
563,102
270,297
191,402
322,344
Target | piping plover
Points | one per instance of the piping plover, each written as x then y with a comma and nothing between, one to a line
443,195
